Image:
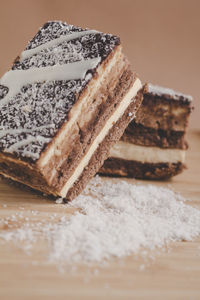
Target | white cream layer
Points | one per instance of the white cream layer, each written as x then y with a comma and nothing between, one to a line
113,119
145,154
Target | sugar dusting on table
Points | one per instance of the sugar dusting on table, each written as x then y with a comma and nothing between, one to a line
113,220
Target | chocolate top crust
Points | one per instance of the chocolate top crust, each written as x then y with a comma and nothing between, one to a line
37,94
166,93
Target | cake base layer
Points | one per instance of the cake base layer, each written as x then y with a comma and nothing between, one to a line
135,169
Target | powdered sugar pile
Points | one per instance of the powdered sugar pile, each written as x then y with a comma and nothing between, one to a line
114,219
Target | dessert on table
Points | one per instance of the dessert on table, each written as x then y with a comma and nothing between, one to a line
66,100
153,146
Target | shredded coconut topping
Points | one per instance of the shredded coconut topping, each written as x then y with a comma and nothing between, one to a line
114,219
39,108
160,91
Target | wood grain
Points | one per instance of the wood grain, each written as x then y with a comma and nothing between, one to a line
173,275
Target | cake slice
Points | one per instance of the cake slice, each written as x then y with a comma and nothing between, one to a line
65,101
153,145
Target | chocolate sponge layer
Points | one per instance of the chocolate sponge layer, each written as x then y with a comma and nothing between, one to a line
145,136
135,169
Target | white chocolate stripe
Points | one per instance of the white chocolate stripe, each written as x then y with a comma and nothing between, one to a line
4,132
25,142
64,38
16,79
113,119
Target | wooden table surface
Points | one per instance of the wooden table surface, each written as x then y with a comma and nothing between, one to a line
172,275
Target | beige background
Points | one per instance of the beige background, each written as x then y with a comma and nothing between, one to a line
161,38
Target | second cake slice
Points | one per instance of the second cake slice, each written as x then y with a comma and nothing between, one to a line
65,102
153,146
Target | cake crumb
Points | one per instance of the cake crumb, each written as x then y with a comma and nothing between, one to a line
59,201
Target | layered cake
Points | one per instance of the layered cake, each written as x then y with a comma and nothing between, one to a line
153,146
66,100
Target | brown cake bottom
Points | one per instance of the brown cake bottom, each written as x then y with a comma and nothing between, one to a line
135,169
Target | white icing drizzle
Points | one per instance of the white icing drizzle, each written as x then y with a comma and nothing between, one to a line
4,131
16,79
27,141
64,38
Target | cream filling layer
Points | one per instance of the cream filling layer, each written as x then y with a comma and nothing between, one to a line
145,154
137,85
